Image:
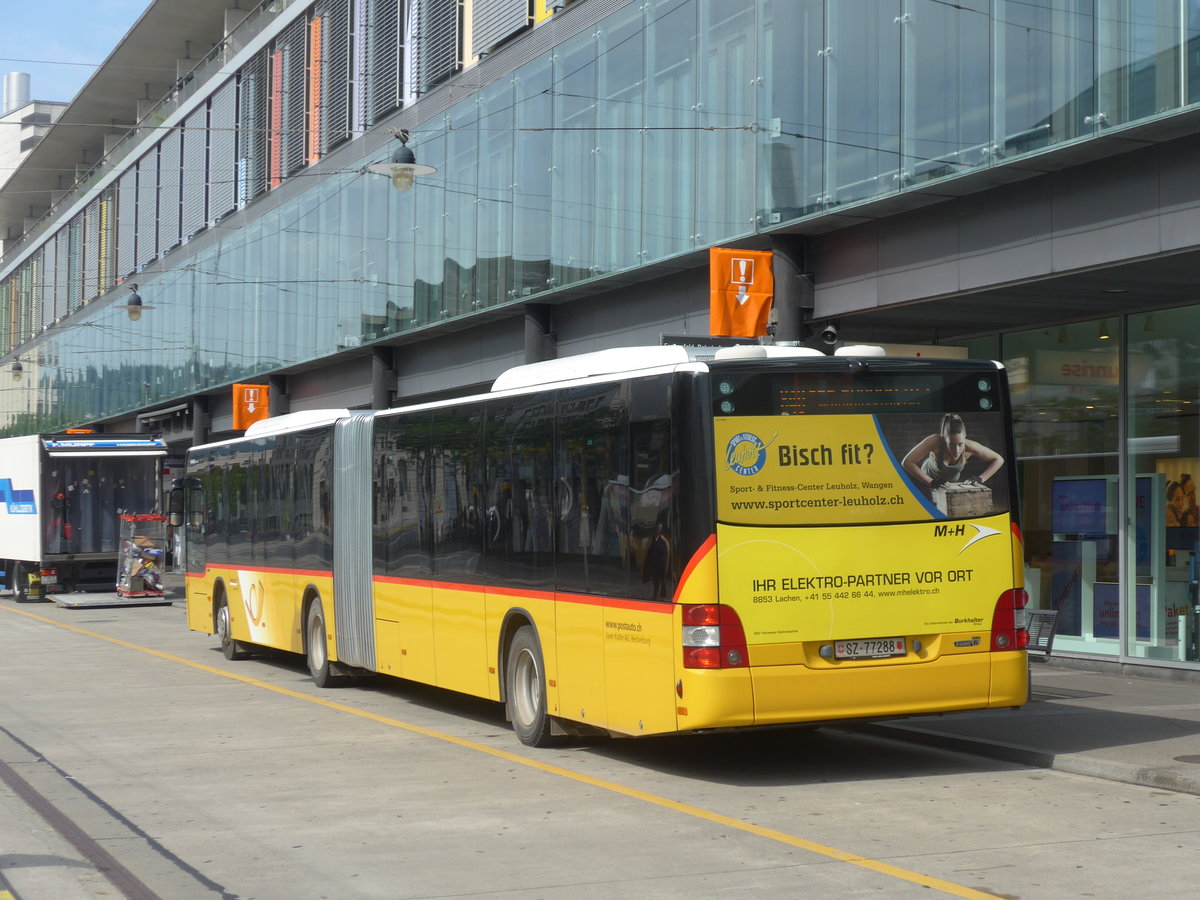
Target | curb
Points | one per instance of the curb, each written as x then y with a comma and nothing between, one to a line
1071,763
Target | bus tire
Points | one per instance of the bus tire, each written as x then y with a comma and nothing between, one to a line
525,689
316,651
231,649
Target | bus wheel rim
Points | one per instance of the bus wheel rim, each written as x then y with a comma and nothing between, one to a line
316,642
528,689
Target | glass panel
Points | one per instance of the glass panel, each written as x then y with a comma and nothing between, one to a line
653,520
378,248
311,463
592,453
864,99
494,235
402,256
457,491
401,501
346,280
1138,59
574,168
1164,453
462,155
519,508
725,194
669,161
947,79
1065,398
1192,49
531,192
619,118
1046,62
792,151
428,198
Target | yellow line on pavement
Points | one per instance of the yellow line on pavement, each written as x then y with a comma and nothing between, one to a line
947,887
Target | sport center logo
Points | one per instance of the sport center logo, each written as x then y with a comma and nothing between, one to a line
746,453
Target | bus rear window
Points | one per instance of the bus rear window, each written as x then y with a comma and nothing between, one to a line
834,448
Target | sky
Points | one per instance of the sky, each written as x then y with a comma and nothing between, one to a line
60,43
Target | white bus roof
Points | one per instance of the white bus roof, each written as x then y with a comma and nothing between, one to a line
632,359
310,418
613,361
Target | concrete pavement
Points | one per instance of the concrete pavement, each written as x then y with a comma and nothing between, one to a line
1098,722
1133,728
1086,717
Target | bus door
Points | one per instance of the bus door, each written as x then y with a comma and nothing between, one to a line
518,520
639,634
591,541
460,648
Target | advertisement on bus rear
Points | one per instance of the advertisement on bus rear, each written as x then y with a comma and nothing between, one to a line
901,523
859,469
820,584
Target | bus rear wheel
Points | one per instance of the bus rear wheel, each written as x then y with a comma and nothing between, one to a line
229,647
324,673
525,689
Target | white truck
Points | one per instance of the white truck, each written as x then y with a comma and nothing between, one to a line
61,496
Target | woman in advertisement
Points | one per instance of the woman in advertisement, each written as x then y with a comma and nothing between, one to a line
942,458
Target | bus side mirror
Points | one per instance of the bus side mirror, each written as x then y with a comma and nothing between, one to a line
175,507
196,519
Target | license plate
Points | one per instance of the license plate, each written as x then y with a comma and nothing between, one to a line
49,580
869,648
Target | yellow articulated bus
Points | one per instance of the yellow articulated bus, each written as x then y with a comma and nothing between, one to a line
637,541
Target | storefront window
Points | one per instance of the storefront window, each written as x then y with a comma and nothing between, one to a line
1164,453
1065,386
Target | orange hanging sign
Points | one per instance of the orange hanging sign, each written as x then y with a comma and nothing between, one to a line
741,288
251,403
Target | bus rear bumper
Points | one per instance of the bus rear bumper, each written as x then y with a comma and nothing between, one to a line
947,684
787,694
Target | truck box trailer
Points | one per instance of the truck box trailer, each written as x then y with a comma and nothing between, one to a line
61,499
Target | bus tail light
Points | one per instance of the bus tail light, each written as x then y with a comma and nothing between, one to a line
1010,630
713,638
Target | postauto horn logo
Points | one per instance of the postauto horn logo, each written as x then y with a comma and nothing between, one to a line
746,453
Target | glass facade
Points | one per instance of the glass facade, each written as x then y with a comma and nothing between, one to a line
672,126
1108,446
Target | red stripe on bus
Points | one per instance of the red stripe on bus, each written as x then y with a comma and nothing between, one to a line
697,558
562,597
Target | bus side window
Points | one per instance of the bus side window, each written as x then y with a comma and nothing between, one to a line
651,521
458,474
518,507
401,503
592,486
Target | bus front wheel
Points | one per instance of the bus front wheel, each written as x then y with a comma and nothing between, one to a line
525,689
315,648
229,647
